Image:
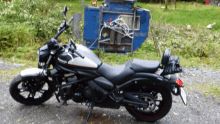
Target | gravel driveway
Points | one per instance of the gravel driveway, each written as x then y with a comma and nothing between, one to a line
200,109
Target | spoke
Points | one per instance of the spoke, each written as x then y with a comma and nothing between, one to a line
29,95
40,92
154,93
43,90
158,104
158,100
22,90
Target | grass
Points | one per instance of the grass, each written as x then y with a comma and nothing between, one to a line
190,13
8,75
207,89
25,28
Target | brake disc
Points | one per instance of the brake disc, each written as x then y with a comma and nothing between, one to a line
150,100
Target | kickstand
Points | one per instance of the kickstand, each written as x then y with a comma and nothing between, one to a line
91,108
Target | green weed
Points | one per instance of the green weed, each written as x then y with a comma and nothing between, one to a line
207,89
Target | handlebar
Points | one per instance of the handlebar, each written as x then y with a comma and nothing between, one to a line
71,19
64,28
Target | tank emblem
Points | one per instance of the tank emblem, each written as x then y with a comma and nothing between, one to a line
62,61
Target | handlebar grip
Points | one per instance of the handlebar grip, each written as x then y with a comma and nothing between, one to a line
70,20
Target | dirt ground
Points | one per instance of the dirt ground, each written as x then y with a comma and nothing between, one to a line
200,109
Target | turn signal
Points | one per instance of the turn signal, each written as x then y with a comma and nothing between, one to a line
179,82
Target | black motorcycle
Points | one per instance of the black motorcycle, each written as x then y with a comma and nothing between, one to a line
143,87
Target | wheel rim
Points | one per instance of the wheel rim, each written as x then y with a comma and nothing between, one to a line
25,91
156,103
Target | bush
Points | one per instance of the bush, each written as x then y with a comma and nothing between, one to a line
201,1
26,21
189,43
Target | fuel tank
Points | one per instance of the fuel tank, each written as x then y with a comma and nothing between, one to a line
68,60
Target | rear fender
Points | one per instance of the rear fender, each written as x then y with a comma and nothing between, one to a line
151,79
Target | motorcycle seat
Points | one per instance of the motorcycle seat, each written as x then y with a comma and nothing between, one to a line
139,65
117,74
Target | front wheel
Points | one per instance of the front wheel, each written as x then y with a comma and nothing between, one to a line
26,91
160,102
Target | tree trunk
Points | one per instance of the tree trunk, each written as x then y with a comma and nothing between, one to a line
175,4
166,5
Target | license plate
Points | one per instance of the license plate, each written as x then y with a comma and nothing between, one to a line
183,95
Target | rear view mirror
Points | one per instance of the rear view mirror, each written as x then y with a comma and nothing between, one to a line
64,12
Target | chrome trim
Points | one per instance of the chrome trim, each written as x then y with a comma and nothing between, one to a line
167,76
31,72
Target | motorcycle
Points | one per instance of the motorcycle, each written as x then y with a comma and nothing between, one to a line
143,87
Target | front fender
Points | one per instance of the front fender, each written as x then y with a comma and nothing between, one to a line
32,72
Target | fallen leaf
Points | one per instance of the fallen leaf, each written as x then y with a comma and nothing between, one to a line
175,113
19,120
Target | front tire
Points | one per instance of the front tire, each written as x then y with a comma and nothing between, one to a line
164,107
21,90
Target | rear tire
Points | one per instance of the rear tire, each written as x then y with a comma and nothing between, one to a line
26,85
164,107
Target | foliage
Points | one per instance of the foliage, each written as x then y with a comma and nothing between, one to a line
201,1
27,25
194,14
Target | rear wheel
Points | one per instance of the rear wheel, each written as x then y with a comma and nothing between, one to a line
160,102
26,92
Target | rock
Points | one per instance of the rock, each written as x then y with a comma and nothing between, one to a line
210,25
58,116
188,27
103,115
2,108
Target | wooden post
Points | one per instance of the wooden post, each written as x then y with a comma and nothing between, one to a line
165,4
175,4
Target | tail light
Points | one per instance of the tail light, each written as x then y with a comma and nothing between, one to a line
179,82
